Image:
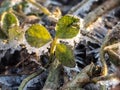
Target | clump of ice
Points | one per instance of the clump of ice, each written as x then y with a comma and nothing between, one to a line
84,8
14,2
30,8
109,83
13,45
68,70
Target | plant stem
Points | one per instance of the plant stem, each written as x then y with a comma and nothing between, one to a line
81,79
52,82
102,54
26,80
42,8
105,7
53,46
108,77
77,6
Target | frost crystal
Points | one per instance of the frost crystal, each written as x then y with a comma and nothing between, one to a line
13,45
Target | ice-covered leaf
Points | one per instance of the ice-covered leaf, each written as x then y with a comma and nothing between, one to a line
37,35
16,33
65,55
8,20
67,27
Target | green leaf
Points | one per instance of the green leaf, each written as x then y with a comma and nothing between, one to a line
37,35
67,27
16,33
65,55
8,20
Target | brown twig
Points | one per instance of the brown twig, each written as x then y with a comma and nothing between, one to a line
108,77
52,82
77,6
102,9
42,8
81,79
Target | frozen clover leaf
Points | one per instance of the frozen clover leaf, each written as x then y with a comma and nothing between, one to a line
67,27
15,33
8,20
65,55
37,35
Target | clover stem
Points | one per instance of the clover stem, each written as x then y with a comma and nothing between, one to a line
42,8
53,46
